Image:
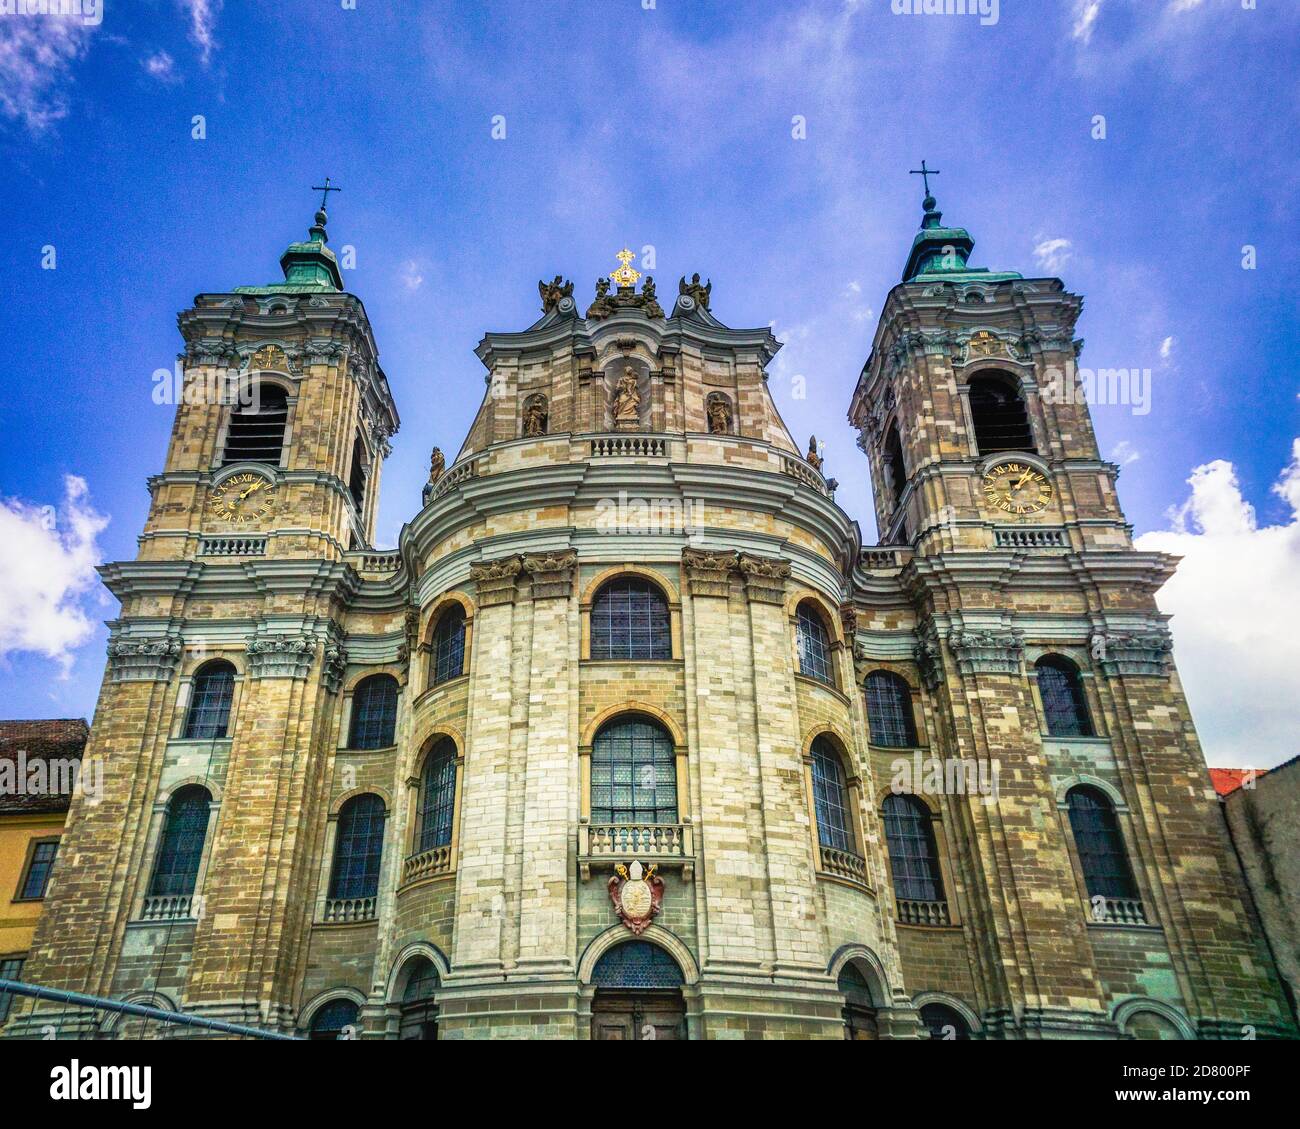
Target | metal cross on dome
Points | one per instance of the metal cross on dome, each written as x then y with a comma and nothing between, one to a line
326,188
925,174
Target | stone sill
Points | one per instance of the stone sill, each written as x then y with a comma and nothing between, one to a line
860,887
406,887
829,687
1149,927
367,752
437,687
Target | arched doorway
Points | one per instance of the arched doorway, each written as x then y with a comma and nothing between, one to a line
859,1010
419,1013
638,994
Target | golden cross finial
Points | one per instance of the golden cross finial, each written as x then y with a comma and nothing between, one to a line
625,275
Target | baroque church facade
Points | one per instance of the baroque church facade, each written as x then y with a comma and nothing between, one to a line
631,737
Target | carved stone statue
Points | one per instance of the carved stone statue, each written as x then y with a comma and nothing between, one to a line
604,305
436,465
552,292
719,412
694,290
627,401
649,302
535,415
814,460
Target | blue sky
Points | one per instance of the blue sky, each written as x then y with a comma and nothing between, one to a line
667,124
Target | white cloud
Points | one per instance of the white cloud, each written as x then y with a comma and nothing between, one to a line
411,275
160,65
1166,348
47,565
1236,606
1085,19
1052,254
36,58
1124,453
203,25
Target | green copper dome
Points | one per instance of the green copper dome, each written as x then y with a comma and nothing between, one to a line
940,252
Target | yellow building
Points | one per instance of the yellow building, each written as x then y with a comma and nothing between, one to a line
39,764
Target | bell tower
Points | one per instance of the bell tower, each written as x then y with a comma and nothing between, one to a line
283,420
971,412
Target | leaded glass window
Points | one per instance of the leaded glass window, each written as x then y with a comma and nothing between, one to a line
39,866
889,710
831,798
637,964
633,774
437,795
330,1020
181,846
209,713
1065,707
11,968
374,713
448,657
913,856
629,620
944,1023
359,848
1097,837
814,644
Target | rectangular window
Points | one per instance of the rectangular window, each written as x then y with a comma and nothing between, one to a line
11,968
37,876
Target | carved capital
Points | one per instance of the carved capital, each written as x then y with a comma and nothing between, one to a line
496,580
765,578
143,660
986,652
1144,655
335,663
708,572
552,574
280,656
929,656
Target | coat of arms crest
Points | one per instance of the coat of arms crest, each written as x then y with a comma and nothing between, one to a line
637,893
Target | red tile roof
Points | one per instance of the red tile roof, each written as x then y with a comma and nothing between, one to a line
1228,780
54,739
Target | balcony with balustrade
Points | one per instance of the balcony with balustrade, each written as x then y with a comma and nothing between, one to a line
665,844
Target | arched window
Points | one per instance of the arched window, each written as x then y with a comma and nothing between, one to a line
633,773
1065,708
374,713
256,430
889,710
419,1014
1001,423
944,1023
212,692
437,796
814,644
180,849
1106,872
859,1007
357,476
894,464
913,856
332,1020
448,657
831,798
629,620
358,849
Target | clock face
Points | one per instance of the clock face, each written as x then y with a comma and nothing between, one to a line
1016,488
243,497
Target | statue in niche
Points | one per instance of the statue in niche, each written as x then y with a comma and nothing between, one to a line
719,413
813,458
627,401
436,465
536,416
